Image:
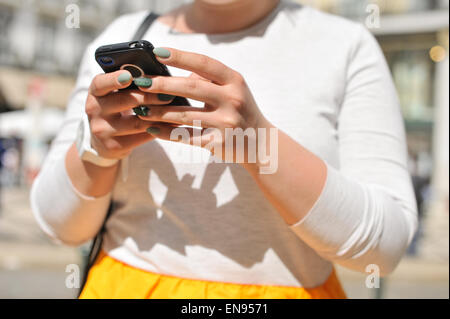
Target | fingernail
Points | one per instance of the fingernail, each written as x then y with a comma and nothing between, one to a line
137,110
124,77
141,110
144,110
165,97
153,130
143,82
161,52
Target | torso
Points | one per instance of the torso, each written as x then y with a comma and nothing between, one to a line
210,220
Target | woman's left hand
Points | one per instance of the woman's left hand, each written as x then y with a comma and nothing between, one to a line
228,100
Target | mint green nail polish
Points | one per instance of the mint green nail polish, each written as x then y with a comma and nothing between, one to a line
161,52
144,110
153,130
141,110
143,82
165,97
124,77
137,110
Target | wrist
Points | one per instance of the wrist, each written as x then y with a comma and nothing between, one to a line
266,159
85,150
89,179
259,121
93,166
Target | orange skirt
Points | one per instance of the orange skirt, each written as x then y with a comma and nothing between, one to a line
110,278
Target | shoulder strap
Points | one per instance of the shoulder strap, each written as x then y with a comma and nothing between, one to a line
97,242
148,21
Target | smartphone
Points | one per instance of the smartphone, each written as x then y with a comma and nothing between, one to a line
136,57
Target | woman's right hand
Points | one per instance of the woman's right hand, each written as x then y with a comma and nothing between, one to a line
115,130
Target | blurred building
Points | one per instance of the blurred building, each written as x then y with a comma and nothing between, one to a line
39,59
35,42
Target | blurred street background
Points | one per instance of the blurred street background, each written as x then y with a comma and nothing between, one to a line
39,57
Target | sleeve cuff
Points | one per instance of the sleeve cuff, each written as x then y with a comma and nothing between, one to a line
319,226
54,199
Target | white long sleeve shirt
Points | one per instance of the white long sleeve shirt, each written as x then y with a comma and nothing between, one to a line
319,78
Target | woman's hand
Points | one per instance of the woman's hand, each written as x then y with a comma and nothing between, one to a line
115,130
229,103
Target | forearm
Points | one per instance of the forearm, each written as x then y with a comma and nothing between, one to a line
354,224
89,179
70,211
298,181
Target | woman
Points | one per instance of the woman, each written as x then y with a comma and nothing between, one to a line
336,191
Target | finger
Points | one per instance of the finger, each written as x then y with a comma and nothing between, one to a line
125,100
172,132
187,135
103,84
203,65
195,76
121,125
130,142
196,89
181,115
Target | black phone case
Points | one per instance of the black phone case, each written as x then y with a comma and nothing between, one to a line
129,55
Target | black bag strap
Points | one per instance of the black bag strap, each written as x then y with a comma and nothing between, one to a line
96,245
148,21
